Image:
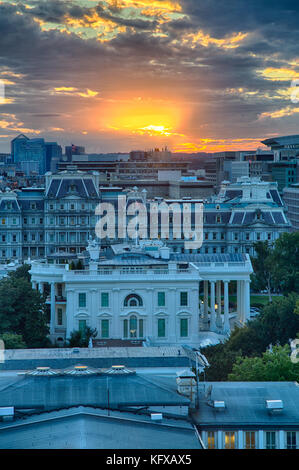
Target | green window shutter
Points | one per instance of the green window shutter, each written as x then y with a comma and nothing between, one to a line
59,316
125,328
184,327
105,328
104,299
161,299
140,328
184,299
161,328
82,299
82,325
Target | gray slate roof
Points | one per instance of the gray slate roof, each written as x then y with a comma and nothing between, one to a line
246,405
58,392
87,428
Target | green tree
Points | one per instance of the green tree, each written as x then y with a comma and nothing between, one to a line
221,360
286,262
23,311
262,265
21,273
80,338
275,366
12,341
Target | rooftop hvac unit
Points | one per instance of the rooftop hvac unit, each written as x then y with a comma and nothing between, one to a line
157,417
219,404
7,413
274,406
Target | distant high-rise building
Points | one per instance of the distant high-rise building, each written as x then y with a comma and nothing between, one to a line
284,148
27,150
71,150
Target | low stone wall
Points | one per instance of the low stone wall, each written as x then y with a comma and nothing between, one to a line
28,359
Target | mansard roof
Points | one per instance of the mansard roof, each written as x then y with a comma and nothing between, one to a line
65,186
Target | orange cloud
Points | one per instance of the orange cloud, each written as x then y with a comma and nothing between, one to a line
280,113
230,42
278,74
64,90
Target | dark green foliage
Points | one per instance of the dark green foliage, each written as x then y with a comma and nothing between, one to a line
275,366
22,309
80,339
12,341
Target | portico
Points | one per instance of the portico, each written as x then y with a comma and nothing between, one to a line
134,295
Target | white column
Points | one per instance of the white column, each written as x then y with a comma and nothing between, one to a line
240,441
205,303
281,444
226,325
261,439
212,308
41,287
218,317
52,319
172,319
116,323
240,301
246,300
70,309
219,440
194,320
93,308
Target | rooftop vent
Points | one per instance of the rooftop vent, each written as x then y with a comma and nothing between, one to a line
43,372
274,406
7,413
219,404
80,370
157,417
119,370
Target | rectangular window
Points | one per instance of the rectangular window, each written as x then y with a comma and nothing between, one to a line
229,440
183,299
126,328
249,440
211,440
4,221
161,299
291,440
14,238
184,327
82,325
82,299
161,328
141,328
33,220
104,299
59,316
270,440
105,328
14,221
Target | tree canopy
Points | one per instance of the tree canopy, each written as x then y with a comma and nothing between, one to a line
22,309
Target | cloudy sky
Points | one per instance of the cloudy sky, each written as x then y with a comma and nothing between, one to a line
117,75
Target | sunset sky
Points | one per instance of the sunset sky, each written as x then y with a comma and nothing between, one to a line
117,75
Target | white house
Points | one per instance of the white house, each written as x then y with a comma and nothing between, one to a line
145,292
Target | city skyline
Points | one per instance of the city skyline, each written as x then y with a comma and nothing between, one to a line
129,74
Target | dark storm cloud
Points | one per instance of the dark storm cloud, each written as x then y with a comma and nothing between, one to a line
139,58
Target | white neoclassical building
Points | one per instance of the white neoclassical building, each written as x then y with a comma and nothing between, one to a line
145,292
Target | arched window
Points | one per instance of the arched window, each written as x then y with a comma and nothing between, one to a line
133,300
133,328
